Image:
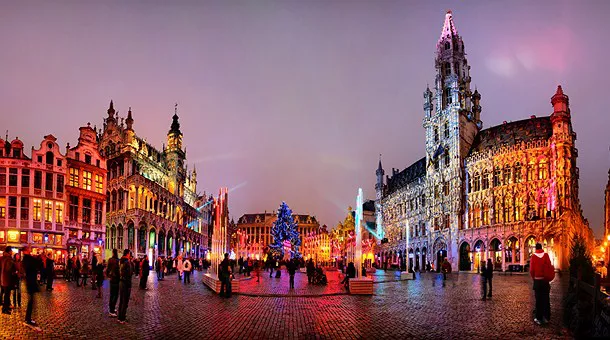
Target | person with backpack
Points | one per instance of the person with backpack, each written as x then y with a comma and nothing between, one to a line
542,272
187,267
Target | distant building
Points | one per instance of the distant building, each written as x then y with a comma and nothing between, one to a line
255,231
481,193
32,197
86,196
151,194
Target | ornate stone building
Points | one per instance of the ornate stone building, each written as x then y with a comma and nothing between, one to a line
477,193
86,196
253,233
151,194
32,197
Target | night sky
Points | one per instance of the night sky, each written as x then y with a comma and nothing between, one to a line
295,100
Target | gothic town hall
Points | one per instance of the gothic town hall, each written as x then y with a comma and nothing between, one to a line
481,193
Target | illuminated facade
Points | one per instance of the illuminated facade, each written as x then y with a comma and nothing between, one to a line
255,231
316,245
32,197
85,196
151,194
481,194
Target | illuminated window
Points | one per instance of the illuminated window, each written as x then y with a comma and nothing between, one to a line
37,209
59,212
518,208
25,209
477,182
517,172
48,211
543,170
37,237
485,180
476,216
507,175
508,209
73,181
531,172
2,175
58,240
99,184
2,237
2,207
498,211
497,177
12,207
485,214
86,180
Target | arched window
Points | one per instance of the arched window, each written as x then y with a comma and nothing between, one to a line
517,172
531,172
497,177
447,69
477,182
518,207
508,209
498,211
507,174
485,180
543,170
447,95
446,129
485,214
447,158
476,216
447,45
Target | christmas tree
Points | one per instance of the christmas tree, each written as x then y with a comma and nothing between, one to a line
285,234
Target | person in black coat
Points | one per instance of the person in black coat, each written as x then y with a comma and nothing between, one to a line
489,276
291,266
30,267
50,273
125,272
144,272
112,272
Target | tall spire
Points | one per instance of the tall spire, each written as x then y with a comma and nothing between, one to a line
129,120
111,110
448,27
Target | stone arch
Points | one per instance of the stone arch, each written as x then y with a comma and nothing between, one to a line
512,250
440,252
495,252
465,262
130,235
529,246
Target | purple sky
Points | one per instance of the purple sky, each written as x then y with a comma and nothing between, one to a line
295,100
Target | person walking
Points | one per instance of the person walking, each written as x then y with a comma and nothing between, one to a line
179,267
30,268
112,272
257,270
50,272
99,277
136,267
489,277
93,267
125,272
483,281
187,267
8,273
224,274
68,269
77,268
20,273
311,268
445,268
542,272
144,272
291,266
159,268
84,272
43,268
350,273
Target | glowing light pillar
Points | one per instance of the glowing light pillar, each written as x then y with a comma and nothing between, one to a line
219,237
358,229
406,275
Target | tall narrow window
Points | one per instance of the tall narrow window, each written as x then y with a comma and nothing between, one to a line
25,209
37,209
543,170
87,158
517,172
447,158
98,212
86,210
2,177
477,182
25,178
60,183
59,212
48,185
485,180
99,184
2,207
446,129
50,158
485,214
73,181
12,177
436,135
86,180
73,208
48,211
37,179
497,177
508,209
507,175
12,207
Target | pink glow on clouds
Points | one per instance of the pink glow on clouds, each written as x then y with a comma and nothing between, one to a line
551,49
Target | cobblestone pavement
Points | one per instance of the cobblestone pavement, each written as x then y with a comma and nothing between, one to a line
424,308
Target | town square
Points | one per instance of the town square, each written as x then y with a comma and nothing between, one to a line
304,170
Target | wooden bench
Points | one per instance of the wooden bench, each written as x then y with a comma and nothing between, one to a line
362,286
214,284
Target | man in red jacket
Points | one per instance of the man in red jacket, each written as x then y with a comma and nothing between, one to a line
542,272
